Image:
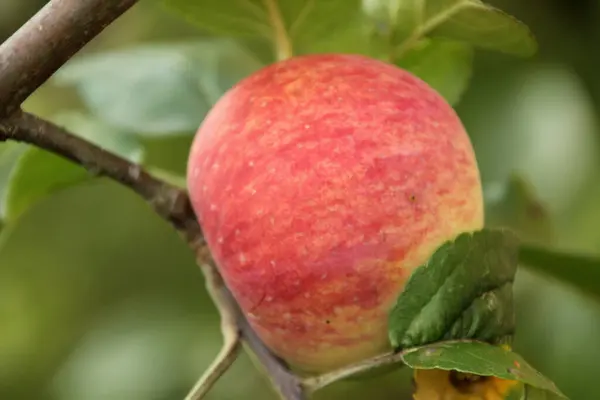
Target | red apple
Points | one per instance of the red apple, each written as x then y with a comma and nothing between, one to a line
321,182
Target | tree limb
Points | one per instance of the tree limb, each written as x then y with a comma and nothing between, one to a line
168,201
47,41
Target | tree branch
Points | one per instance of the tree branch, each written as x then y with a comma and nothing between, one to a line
168,201
287,385
47,41
229,328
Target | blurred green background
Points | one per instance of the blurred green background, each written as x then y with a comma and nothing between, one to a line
100,300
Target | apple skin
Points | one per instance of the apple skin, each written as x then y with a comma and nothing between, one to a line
321,182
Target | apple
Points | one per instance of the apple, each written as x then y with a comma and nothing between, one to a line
321,182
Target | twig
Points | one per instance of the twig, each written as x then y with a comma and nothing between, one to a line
287,385
229,329
47,41
319,382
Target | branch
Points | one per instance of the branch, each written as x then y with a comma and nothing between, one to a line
47,41
287,385
319,382
168,201
231,334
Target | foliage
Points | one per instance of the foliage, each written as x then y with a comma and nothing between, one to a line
160,89
482,359
463,292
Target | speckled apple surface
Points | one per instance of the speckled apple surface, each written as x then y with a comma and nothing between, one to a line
321,182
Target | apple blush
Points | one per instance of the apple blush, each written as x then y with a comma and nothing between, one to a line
321,182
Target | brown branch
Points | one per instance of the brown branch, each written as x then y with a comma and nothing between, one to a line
47,41
287,385
319,382
169,202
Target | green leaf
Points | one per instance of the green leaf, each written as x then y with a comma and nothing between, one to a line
479,24
297,22
489,317
405,22
445,65
395,19
356,36
9,154
515,205
464,291
39,173
481,359
158,89
578,270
